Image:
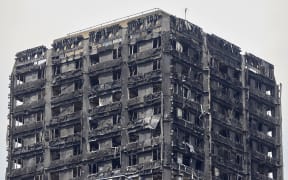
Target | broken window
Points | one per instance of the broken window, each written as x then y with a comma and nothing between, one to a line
20,79
157,110
94,59
56,70
40,116
78,64
224,133
186,160
94,146
223,68
39,159
133,49
77,128
156,153
93,124
55,155
19,120
94,81
56,90
116,164
18,163
156,65
56,111
117,53
199,165
18,142
156,87
133,115
116,96
157,42
116,119
185,92
55,133
38,177
179,113
78,85
94,101
93,168
116,141
77,106
54,176
116,75
238,138
132,159
238,159
76,150
133,92
133,137
38,137
237,74
76,172
133,70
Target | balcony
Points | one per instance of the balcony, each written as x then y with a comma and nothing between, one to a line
140,56
147,78
227,121
106,66
257,94
65,141
144,166
29,149
34,106
107,108
197,130
263,137
152,98
104,131
187,169
29,87
188,102
30,128
227,141
105,87
263,116
66,97
104,154
56,164
26,170
265,159
147,144
66,119
225,98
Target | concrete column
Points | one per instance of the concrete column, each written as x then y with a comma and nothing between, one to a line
48,112
206,116
124,111
85,107
245,121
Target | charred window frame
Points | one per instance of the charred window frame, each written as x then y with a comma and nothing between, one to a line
94,81
116,75
78,85
76,150
157,42
133,115
116,141
76,172
55,154
116,163
157,88
116,119
133,93
78,64
133,49
156,65
133,70
133,160
117,53
116,97
93,168
56,69
94,59
56,90
94,146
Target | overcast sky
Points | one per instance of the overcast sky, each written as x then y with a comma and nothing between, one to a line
257,26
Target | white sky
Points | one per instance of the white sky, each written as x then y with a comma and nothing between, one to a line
257,26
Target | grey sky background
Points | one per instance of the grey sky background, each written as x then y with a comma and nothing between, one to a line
258,26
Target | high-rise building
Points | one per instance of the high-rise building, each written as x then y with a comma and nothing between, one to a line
150,96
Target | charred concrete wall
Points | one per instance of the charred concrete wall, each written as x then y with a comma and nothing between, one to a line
148,97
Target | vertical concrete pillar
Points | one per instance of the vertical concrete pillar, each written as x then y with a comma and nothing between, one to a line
48,112
206,116
85,107
124,89
245,120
